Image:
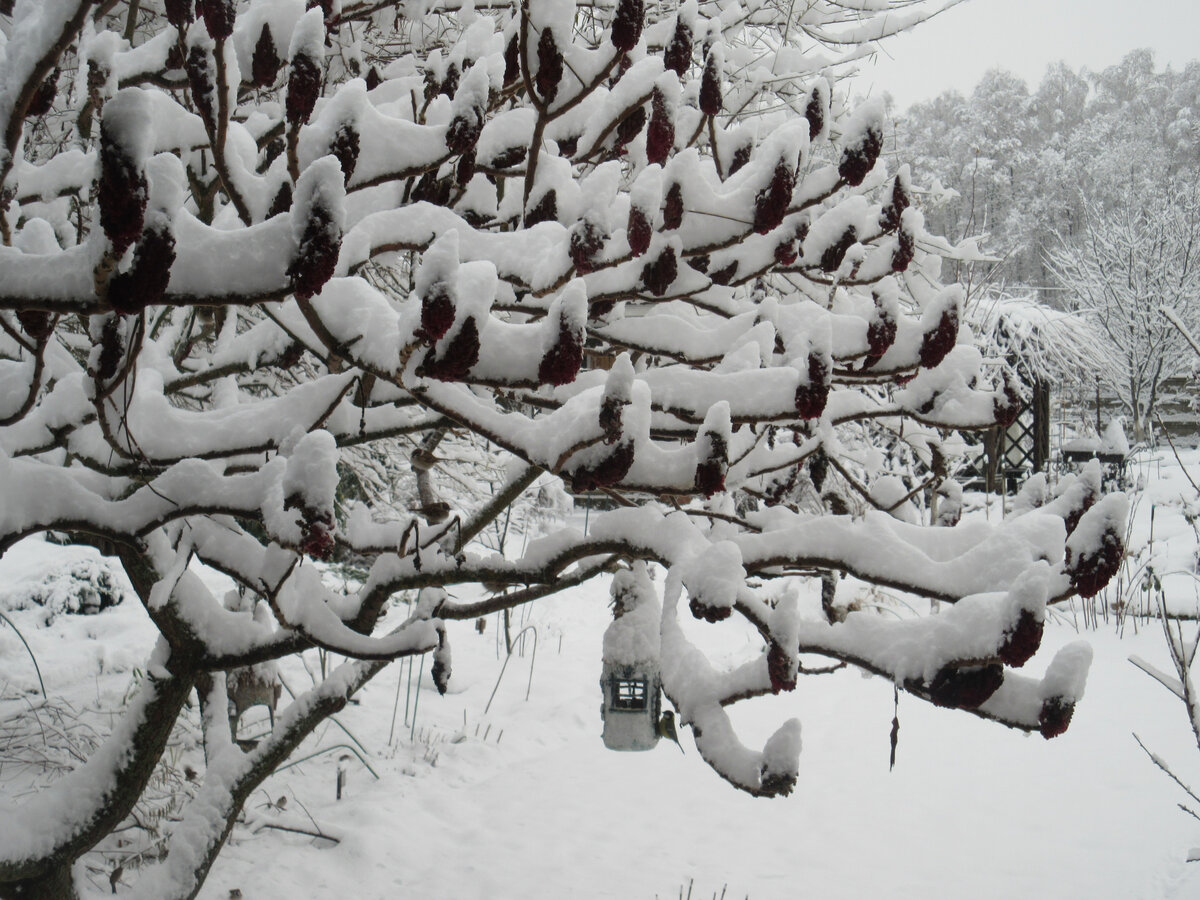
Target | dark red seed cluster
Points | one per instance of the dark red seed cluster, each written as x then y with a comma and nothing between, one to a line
1071,519
1006,406
437,313
608,471
37,324
465,170
937,343
545,210
584,245
1022,640
509,157
43,98
772,202
776,784
832,258
560,364
965,687
568,145
627,24
317,256
457,358
741,156
121,194
201,78
710,87
713,465
903,254
659,275
622,68
1055,716
283,200
678,55
815,113
710,477
630,126
881,332
725,274
638,231
700,262
818,468
673,207
512,61
889,216
1094,569
265,63
316,529
219,16
440,672
112,349
179,12
449,85
781,487
345,148
780,669
711,614
304,87
431,189
145,282
858,159
464,131
786,252
610,418
660,133
550,66
812,396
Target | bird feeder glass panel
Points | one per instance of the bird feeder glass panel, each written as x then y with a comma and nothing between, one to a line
629,693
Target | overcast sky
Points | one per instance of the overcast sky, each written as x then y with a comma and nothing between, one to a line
1024,36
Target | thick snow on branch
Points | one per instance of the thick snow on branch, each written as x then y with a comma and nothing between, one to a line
288,285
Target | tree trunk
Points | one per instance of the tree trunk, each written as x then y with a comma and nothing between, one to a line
57,884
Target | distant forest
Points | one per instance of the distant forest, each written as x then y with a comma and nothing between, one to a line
1018,164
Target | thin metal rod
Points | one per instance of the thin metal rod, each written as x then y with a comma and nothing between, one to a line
417,698
323,751
36,667
408,693
396,704
532,661
332,719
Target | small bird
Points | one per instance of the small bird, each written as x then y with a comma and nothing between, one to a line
666,729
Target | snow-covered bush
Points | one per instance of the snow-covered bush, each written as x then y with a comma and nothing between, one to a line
84,587
648,250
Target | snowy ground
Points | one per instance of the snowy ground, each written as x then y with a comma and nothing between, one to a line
524,801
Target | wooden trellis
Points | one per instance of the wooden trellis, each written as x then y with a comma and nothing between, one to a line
1010,455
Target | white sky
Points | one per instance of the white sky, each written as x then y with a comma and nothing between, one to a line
1024,36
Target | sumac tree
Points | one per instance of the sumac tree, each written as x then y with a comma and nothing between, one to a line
242,247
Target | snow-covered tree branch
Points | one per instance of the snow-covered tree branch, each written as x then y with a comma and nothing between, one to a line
644,253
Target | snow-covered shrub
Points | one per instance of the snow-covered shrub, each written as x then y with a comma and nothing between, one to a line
649,254
84,587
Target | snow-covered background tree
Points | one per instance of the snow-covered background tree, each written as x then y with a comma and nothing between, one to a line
1124,268
1018,162
647,252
